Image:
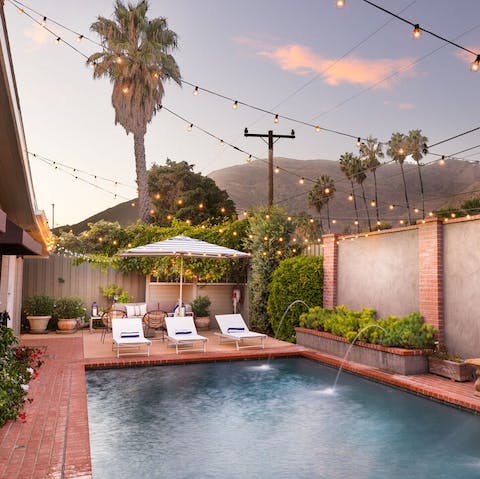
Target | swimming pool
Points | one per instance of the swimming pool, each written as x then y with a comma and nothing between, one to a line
280,419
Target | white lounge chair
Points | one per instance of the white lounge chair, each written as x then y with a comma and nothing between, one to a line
127,334
233,328
181,331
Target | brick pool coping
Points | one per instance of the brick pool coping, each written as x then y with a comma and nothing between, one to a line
54,442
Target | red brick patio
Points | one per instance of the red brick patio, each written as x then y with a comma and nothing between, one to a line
54,442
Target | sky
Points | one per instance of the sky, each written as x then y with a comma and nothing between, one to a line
355,70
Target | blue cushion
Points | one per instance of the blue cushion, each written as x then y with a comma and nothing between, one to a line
129,335
183,331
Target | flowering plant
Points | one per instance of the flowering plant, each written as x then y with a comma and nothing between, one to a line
18,366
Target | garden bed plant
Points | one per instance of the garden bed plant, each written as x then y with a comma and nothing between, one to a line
18,366
410,331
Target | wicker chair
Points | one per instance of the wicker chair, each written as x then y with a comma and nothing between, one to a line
154,321
107,320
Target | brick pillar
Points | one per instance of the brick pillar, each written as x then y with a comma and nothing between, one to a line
430,274
330,270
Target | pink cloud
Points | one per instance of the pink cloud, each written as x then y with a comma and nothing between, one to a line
303,61
37,34
406,106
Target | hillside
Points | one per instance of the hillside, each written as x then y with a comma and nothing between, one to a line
444,185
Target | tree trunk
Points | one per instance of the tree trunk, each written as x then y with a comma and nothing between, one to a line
421,190
355,206
142,183
366,208
406,194
376,198
328,218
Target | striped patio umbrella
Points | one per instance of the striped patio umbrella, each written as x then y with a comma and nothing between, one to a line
181,246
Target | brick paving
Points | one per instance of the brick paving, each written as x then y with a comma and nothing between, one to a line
54,442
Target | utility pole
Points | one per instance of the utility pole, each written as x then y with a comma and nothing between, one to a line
270,143
53,215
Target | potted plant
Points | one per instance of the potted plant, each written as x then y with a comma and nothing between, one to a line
38,310
448,365
200,308
68,310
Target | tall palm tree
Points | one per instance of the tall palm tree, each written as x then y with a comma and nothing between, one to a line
416,147
321,194
370,153
349,166
360,177
397,151
136,58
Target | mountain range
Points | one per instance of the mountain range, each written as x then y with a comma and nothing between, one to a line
446,183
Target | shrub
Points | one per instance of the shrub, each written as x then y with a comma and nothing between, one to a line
200,306
408,332
38,305
69,307
115,293
297,278
18,365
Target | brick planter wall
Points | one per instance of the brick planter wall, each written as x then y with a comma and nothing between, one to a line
395,360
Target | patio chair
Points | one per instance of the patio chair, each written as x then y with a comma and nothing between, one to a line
154,321
233,328
107,320
181,331
127,334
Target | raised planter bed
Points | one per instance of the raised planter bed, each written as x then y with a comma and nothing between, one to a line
450,369
395,360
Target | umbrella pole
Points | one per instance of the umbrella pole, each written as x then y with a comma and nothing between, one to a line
180,305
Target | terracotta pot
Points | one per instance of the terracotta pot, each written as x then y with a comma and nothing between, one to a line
67,325
38,324
202,322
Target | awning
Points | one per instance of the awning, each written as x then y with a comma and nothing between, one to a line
16,241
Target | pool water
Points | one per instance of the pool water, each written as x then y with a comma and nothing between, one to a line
280,419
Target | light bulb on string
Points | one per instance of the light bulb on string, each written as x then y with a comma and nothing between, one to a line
235,105
417,33
58,39
339,3
301,180
277,169
372,203
249,159
44,21
276,120
196,91
475,65
317,128
79,38
442,160
350,197
391,207
327,191
189,128
359,142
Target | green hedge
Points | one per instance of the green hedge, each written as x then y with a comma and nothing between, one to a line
297,278
410,331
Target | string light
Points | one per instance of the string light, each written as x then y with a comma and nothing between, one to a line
417,33
372,203
277,169
391,207
301,180
195,91
359,142
58,39
235,105
80,38
441,162
275,120
317,128
350,197
340,3
475,65
189,128
44,21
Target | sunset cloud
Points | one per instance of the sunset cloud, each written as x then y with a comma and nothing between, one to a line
406,106
303,61
37,34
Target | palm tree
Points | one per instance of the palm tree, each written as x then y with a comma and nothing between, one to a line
397,151
136,59
370,152
360,177
320,195
416,147
348,166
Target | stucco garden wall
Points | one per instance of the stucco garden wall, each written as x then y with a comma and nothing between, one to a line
462,287
380,271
